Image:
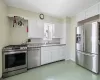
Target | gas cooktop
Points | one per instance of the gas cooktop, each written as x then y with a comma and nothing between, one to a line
15,47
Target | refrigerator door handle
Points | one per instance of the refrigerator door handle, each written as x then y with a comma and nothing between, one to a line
83,39
88,54
99,42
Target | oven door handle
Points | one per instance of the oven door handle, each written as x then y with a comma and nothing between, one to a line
15,52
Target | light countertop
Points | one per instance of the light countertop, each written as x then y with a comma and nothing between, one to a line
45,45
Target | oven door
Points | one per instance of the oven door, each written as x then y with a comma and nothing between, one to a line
14,60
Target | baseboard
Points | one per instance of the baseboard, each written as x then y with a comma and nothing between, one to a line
72,60
67,59
1,79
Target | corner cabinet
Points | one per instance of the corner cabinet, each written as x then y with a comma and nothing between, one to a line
35,28
52,54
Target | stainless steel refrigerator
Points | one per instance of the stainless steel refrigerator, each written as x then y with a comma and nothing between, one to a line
87,46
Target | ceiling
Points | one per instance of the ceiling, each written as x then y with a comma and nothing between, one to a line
59,8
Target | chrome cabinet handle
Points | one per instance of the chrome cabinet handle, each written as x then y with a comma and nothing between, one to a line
99,42
16,52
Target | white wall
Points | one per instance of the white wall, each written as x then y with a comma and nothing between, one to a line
72,33
65,39
66,24
72,37
16,33
4,30
28,14
20,32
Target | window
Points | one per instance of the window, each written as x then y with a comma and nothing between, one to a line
48,31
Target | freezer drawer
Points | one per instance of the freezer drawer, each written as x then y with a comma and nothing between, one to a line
89,61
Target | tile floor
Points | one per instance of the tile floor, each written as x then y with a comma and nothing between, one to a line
64,70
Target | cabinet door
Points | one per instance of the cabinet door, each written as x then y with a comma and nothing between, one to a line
40,25
92,11
61,52
45,57
57,31
36,29
81,16
54,55
32,28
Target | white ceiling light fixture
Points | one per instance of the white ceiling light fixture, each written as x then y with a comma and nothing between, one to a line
41,16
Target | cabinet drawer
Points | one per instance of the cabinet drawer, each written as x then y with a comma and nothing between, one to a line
49,48
45,48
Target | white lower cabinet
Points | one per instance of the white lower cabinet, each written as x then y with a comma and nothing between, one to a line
52,54
61,52
45,57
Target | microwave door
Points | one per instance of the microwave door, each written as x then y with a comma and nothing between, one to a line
79,38
91,38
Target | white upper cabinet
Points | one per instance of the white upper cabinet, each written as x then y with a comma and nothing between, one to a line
81,16
40,25
92,11
36,28
57,31
40,29
48,31
53,30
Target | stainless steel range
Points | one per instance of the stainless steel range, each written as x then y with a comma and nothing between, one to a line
14,59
